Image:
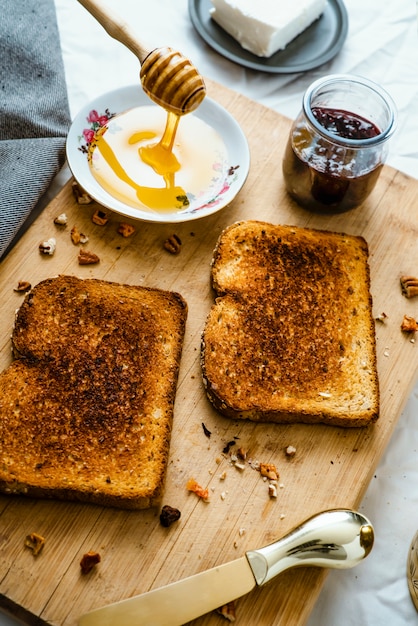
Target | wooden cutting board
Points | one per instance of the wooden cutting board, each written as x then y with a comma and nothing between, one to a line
332,466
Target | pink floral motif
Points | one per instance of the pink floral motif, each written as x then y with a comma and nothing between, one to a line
228,182
225,188
93,116
96,121
88,135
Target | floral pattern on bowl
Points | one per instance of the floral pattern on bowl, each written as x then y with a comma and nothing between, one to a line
97,124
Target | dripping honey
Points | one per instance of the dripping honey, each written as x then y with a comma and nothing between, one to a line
147,160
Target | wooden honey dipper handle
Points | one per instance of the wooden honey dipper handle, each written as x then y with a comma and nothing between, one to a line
167,77
116,27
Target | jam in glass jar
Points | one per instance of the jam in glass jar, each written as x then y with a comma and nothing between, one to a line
338,143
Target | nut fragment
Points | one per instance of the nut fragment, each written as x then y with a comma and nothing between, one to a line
48,246
75,235
290,451
61,220
80,194
169,515
381,317
35,543
409,286
193,486
409,324
228,611
88,561
173,244
22,286
86,257
100,218
242,453
125,229
273,489
269,471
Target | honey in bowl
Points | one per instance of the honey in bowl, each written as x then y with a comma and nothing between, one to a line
146,159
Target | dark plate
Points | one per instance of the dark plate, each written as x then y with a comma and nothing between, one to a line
316,45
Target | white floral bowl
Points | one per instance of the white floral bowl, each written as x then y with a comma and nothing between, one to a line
226,180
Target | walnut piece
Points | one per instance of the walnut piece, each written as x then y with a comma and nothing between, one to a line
75,235
273,489
169,515
100,218
269,471
23,286
88,561
80,194
409,286
409,324
61,220
48,246
86,257
35,543
125,229
173,244
228,611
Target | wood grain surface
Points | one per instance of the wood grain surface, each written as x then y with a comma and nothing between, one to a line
332,466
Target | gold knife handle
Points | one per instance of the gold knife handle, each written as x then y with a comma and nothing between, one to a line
338,538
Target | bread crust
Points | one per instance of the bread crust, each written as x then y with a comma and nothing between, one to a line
86,407
291,335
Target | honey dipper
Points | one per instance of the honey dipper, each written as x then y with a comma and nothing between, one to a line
167,77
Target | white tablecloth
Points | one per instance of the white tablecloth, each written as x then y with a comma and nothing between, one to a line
382,44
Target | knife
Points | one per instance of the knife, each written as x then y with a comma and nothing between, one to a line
338,538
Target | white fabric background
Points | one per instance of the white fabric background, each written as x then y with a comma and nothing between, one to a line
382,44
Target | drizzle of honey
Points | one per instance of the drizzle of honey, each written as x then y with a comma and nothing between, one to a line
159,166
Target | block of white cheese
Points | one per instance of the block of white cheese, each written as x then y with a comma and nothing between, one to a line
265,26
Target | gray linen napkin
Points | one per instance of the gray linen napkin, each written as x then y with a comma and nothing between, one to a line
34,112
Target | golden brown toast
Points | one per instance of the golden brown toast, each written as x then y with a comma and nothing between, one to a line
86,408
291,336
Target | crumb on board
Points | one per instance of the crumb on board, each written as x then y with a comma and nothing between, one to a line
23,286
125,229
169,515
88,561
409,324
61,219
228,611
48,246
290,451
269,471
35,542
81,196
100,217
201,492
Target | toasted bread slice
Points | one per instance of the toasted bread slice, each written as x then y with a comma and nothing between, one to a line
86,408
291,337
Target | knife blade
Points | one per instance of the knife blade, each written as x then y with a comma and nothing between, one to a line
339,538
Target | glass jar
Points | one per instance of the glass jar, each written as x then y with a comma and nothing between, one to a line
338,143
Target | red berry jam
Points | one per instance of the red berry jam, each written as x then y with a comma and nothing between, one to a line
330,177
345,124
